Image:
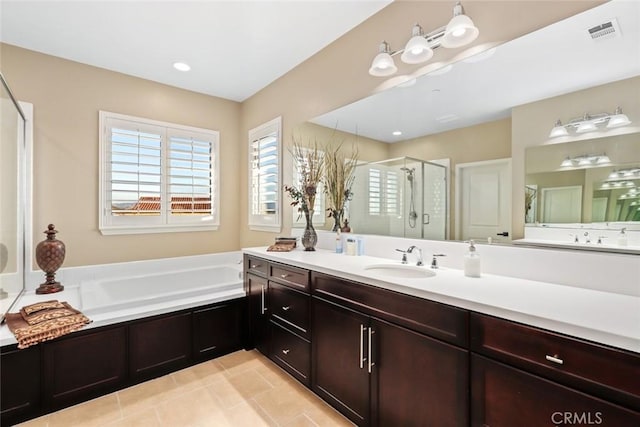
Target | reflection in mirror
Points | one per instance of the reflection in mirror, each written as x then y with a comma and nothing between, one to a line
589,181
12,145
402,197
464,112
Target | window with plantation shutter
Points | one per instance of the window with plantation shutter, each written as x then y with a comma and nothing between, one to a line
156,176
264,176
384,192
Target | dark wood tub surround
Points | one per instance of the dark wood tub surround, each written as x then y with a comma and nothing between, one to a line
93,362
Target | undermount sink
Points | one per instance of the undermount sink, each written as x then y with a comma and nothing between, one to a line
401,271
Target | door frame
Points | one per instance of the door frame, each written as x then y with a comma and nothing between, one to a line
460,167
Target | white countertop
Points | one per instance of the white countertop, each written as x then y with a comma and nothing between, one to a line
603,317
71,294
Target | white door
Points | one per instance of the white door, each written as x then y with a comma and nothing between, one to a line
484,200
562,204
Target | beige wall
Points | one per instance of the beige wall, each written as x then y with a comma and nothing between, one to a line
67,97
531,124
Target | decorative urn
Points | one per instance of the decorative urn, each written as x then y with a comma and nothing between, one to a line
50,256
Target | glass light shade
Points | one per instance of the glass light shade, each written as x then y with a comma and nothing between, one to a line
460,30
613,175
417,51
566,163
618,119
586,126
603,160
585,161
383,65
558,130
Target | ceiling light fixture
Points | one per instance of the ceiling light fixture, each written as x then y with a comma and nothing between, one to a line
459,32
181,66
590,123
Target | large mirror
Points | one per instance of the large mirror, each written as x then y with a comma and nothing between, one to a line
12,186
461,116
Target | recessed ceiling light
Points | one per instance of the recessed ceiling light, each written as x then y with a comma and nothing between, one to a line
397,132
181,66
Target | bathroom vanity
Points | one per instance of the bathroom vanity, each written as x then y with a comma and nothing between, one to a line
446,350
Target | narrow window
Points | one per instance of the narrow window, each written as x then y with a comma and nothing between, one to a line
264,177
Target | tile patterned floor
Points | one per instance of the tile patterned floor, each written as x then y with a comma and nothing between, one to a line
240,389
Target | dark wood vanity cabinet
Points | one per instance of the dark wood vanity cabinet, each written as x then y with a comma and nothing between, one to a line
19,383
537,377
380,373
279,314
384,358
506,396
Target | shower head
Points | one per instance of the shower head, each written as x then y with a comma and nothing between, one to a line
409,172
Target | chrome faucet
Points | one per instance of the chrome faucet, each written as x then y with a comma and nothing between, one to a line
586,235
404,256
418,254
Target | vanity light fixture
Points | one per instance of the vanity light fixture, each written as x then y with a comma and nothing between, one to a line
460,31
632,173
590,123
585,160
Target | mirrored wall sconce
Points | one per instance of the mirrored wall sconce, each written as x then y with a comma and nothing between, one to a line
585,161
590,123
460,31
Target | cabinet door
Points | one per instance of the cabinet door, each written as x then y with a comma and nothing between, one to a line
418,381
258,314
217,330
505,396
20,384
339,349
159,345
79,367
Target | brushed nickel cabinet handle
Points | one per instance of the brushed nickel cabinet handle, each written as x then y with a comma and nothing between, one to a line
255,265
362,359
284,276
286,308
554,359
262,307
286,351
370,362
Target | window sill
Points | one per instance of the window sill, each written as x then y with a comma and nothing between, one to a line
110,231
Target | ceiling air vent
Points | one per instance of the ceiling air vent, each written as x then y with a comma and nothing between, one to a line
606,30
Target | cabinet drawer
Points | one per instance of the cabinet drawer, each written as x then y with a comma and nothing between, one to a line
610,373
290,306
256,266
431,318
291,276
290,352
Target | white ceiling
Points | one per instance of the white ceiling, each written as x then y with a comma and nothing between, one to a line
234,48
555,60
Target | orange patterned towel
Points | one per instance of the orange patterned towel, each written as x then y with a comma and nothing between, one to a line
44,321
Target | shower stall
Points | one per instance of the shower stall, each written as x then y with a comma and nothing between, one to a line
401,197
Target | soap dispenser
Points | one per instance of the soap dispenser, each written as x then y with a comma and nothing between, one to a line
338,242
622,237
472,261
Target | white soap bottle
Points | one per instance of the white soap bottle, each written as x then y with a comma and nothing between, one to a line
622,238
472,261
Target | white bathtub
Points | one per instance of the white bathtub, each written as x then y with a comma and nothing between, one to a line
100,296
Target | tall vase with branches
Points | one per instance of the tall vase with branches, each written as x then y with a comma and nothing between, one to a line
338,179
309,162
